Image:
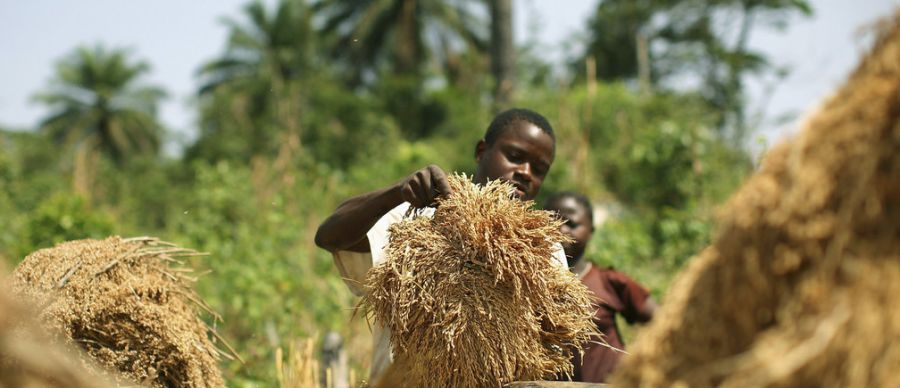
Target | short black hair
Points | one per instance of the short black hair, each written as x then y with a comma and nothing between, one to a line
505,119
579,198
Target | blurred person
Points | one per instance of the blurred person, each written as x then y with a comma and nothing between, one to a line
518,147
615,292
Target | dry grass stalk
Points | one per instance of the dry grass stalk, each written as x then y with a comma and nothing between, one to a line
302,369
800,286
127,304
472,297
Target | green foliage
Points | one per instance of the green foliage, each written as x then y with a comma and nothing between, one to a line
96,102
254,89
341,128
29,174
63,217
700,40
401,36
269,283
398,48
654,155
667,175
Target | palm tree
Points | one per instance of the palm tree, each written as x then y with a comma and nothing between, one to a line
271,49
98,104
257,76
400,34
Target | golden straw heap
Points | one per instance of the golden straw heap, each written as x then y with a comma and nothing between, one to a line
128,304
800,288
473,297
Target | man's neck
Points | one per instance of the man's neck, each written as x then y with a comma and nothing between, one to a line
580,266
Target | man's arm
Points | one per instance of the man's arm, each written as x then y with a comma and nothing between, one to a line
346,228
639,306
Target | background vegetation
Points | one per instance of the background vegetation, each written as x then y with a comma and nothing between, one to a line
313,101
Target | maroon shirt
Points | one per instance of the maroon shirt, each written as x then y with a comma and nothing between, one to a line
616,294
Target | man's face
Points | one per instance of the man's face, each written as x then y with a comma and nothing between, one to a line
521,155
578,226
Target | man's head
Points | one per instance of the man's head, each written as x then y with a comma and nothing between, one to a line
518,147
576,210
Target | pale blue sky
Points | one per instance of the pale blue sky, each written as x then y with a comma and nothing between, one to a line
175,37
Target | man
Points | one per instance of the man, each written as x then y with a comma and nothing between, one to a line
518,147
616,293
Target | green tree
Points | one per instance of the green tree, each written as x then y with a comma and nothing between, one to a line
394,47
706,40
252,92
612,37
97,102
401,35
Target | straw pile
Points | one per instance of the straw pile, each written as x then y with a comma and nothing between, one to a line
801,286
29,358
472,297
127,303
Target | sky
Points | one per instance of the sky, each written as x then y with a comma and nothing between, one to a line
175,37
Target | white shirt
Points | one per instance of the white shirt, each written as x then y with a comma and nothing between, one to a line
353,267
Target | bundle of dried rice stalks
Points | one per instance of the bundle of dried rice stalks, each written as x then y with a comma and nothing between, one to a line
29,358
472,297
800,288
128,304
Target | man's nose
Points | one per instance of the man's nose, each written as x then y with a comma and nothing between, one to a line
524,171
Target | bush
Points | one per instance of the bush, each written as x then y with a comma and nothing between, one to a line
63,217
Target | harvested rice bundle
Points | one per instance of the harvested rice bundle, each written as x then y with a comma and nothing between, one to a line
801,286
473,297
29,358
128,304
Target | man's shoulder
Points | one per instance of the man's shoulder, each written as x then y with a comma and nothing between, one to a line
611,274
607,274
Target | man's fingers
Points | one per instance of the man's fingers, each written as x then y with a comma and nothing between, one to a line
423,186
439,181
409,194
420,188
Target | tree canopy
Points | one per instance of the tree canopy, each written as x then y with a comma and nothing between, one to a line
96,101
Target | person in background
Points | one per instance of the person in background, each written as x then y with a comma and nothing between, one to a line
615,292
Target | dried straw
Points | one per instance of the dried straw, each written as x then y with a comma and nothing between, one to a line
301,369
128,305
29,358
472,297
800,287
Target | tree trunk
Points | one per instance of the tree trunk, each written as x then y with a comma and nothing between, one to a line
503,53
407,50
736,71
643,61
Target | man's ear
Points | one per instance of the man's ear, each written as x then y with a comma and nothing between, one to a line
479,149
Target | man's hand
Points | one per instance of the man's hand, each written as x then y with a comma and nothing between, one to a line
346,228
423,186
